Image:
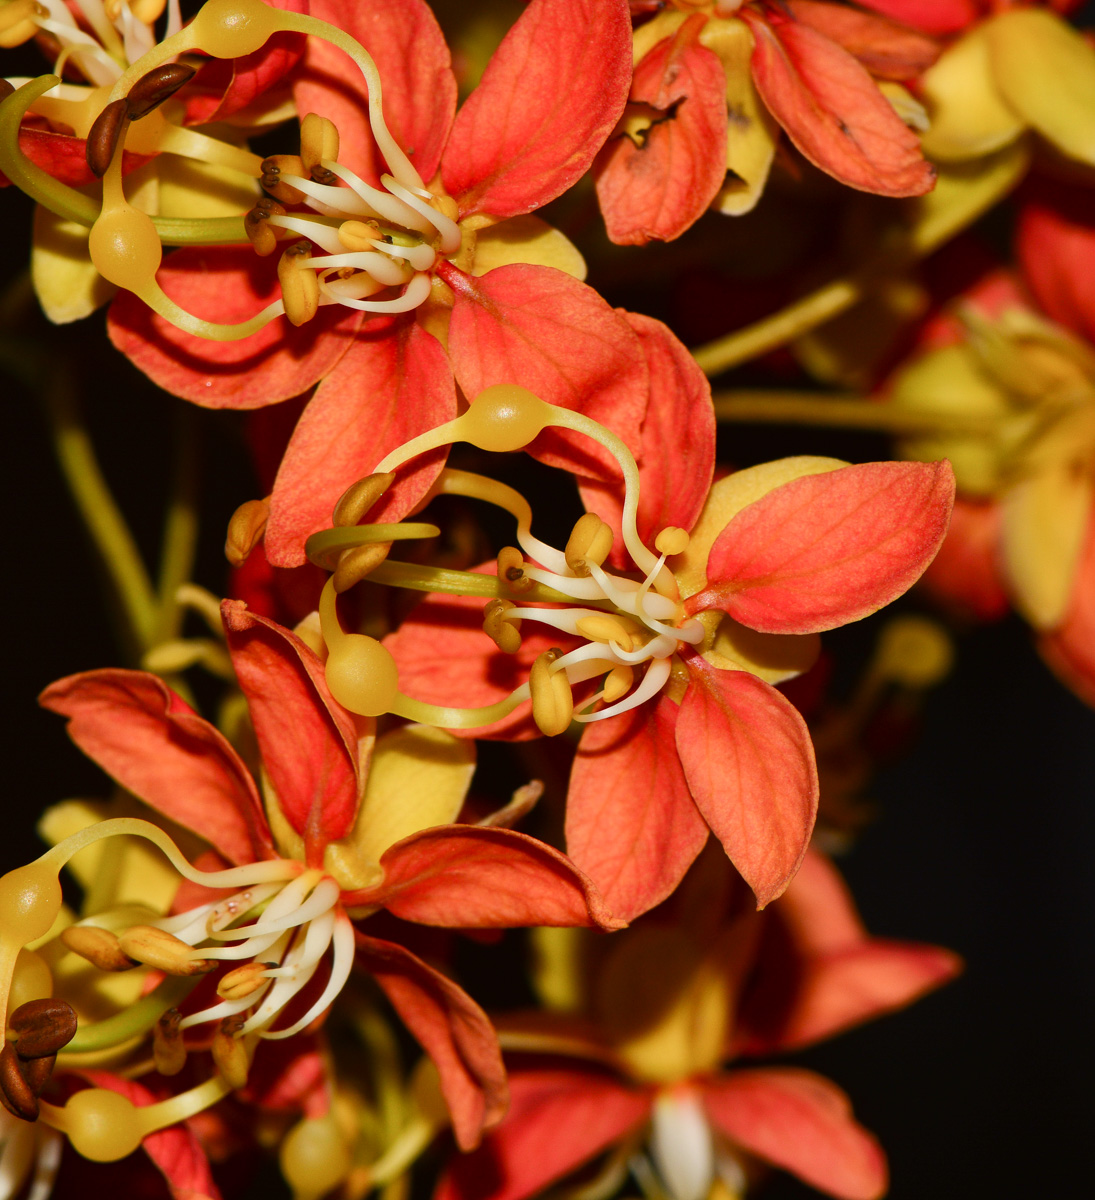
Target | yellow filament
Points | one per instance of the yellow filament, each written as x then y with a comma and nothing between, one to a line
324,548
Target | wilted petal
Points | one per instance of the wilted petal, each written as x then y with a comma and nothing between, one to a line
547,100
749,764
803,1123
157,747
827,549
631,824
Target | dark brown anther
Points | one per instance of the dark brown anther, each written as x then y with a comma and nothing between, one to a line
151,90
42,1027
168,1048
322,175
36,1071
272,170
17,1095
6,89
102,140
263,236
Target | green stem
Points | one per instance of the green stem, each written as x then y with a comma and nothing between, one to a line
180,525
468,583
135,1020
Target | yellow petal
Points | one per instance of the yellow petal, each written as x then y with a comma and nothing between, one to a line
649,34
969,116
751,132
189,188
419,778
1045,520
1045,71
557,971
726,499
67,286
773,657
527,239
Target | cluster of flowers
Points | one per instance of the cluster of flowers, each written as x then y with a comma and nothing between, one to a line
265,890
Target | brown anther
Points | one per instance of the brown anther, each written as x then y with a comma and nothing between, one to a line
168,1048
263,235
273,168
151,90
243,981
98,946
511,569
358,236
36,1071
358,498
353,565
245,529
299,284
104,136
324,176
506,635
158,948
42,1027
318,142
229,1053
552,701
15,1092
590,542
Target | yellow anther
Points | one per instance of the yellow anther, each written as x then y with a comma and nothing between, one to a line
506,635
98,946
229,1053
263,235
590,542
355,564
147,11
18,23
245,529
672,540
511,569
602,627
618,683
359,497
358,235
168,1048
299,284
30,899
504,417
158,948
552,701
273,168
243,981
318,141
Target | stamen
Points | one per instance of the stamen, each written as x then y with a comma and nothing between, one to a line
590,542
417,292
299,285
657,674
379,266
168,1048
318,140
158,86
447,228
500,627
378,203
552,702
343,943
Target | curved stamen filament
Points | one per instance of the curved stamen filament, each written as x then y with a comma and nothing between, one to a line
656,677
445,226
416,292
371,201
342,939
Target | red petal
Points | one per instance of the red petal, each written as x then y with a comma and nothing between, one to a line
557,1120
228,284
827,549
749,763
468,877
548,99
888,50
307,741
393,384
452,1029
64,156
965,573
676,451
225,86
543,329
803,1123
419,89
662,186
933,16
833,111
157,747
631,824
1056,245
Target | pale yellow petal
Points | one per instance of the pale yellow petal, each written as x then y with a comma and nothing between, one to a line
649,34
419,778
527,239
1045,71
726,499
558,968
189,188
67,286
773,657
969,116
1045,520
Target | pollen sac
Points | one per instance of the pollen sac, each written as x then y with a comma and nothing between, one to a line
618,683
104,136
158,948
590,542
98,946
42,1027
17,25
16,1093
358,498
151,90
168,1048
603,627
318,142
273,169
505,634
552,701
229,1053
245,529
243,981
511,569
672,540
299,284
358,236
263,236
354,565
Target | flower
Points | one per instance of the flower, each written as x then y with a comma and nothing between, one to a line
647,1048
703,741
352,824
713,84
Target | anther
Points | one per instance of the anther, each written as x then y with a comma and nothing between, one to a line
229,1052
151,90
602,627
618,683
552,701
672,540
245,529
243,981
590,542
318,141
103,138
505,634
18,24
36,1071
42,1027
299,284
6,89
158,948
273,169
98,946
358,236
358,498
16,1094
168,1047
511,569
263,236
354,564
